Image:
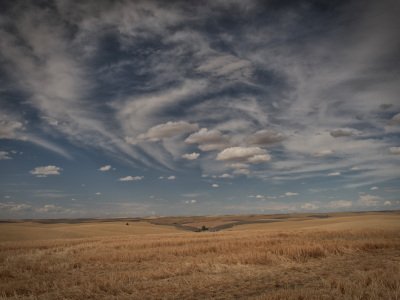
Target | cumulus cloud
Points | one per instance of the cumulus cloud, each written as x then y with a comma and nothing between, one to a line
369,200
46,171
309,206
4,155
191,156
265,137
252,155
322,153
239,166
172,177
131,178
9,129
241,171
98,193
105,168
340,204
259,158
395,120
344,132
193,201
208,140
52,208
167,130
334,174
289,194
15,207
394,150
214,185
387,203
225,175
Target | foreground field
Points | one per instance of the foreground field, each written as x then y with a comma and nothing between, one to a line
343,257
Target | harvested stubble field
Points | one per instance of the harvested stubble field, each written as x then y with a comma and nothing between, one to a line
340,257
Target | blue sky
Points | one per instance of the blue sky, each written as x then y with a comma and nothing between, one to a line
140,108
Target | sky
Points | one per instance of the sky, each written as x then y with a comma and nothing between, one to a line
150,108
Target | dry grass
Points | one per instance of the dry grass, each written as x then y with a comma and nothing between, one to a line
36,231
304,263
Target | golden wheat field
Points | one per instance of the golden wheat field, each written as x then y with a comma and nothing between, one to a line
340,256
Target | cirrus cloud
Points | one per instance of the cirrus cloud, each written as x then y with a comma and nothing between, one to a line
343,132
167,130
334,174
265,137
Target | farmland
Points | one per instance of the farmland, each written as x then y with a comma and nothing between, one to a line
333,256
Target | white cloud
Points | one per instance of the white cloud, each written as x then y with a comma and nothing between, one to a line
369,200
322,153
334,174
309,206
289,194
130,140
4,155
245,154
226,175
259,197
265,137
168,130
387,203
228,66
340,204
394,150
10,129
208,139
340,132
214,185
46,171
191,156
395,119
193,201
51,208
374,188
15,207
105,168
171,177
259,158
98,193
239,166
241,171
131,178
